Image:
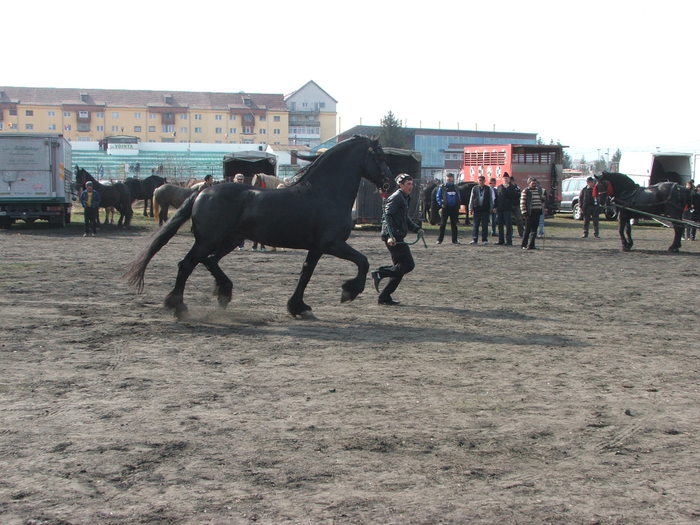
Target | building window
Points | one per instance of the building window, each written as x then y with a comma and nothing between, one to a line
115,114
247,130
183,116
276,118
262,118
262,131
137,115
83,114
232,117
275,131
100,114
218,117
304,104
168,128
115,128
183,130
218,131
13,112
197,130
83,126
137,129
52,113
323,105
29,112
248,118
198,116
29,126
65,113
151,115
232,130
52,127
151,129
99,128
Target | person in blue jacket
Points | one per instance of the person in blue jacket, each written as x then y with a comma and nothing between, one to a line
448,200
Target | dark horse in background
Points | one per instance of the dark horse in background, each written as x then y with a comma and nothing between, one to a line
116,195
314,214
142,189
665,198
431,211
169,195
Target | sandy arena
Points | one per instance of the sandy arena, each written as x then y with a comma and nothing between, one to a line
556,386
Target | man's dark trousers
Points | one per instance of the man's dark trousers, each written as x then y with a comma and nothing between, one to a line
452,213
403,263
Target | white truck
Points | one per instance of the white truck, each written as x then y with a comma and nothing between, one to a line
35,179
649,168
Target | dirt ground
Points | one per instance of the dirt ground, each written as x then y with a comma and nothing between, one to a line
555,386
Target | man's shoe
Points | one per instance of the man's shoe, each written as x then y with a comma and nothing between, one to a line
584,235
376,279
473,242
532,248
456,242
388,302
500,243
85,234
597,236
485,243
438,242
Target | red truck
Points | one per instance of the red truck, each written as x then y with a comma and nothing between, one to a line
520,161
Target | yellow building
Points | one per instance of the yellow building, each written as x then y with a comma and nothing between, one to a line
169,116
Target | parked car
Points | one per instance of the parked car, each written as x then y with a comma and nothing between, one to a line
570,190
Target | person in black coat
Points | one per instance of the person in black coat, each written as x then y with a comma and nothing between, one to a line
448,200
395,225
481,205
590,208
507,197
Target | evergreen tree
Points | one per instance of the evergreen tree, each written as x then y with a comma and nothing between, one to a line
393,134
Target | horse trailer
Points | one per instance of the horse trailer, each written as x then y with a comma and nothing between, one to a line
520,161
369,204
249,163
647,168
35,179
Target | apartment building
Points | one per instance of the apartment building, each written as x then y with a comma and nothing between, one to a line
91,115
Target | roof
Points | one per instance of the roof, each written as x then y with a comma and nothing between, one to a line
302,88
250,156
141,98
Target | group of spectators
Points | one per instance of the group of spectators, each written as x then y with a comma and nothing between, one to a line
497,207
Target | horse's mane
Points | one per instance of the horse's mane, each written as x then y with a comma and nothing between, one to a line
620,181
302,176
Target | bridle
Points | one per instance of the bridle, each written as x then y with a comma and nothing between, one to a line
380,158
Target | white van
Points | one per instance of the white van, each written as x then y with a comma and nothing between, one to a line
647,169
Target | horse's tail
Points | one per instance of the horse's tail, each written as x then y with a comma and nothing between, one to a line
156,208
134,273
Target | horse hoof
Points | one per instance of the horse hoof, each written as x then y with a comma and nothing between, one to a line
673,250
347,295
306,315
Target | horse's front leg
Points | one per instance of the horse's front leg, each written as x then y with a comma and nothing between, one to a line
145,208
676,245
296,306
352,287
623,223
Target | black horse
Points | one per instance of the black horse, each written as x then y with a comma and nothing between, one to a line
142,189
116,195
314,214
665,198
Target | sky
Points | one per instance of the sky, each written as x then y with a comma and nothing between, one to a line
595,76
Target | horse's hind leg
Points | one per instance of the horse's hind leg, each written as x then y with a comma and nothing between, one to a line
296,305
224,286
676,245
175,299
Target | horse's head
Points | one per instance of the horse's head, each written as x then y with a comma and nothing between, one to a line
376,168
620,182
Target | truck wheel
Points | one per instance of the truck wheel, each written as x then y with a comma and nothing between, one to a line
576,212
59,221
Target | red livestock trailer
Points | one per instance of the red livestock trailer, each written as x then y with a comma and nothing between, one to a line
520,161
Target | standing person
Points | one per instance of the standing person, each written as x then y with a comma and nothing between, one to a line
531,206
494,214
589,208
517,214
90,199
448,200
507,197
689,213
395,225
481,206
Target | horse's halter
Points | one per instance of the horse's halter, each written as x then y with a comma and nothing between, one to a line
380,158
